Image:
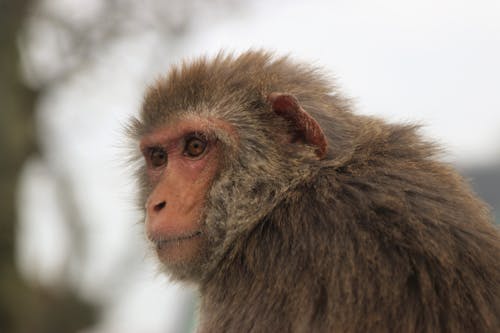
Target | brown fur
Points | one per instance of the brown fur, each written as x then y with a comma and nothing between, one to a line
378,236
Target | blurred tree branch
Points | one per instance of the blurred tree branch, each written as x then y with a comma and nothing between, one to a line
23,308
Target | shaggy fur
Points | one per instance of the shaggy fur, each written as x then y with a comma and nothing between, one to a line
378,236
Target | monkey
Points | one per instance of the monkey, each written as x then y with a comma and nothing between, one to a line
291,212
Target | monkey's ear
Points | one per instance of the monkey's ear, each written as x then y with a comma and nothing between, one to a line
306,128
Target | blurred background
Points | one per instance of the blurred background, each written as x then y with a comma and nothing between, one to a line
72,72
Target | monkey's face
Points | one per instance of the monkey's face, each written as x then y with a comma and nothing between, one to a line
204,172
181,162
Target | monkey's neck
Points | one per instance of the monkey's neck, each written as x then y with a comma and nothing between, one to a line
257,286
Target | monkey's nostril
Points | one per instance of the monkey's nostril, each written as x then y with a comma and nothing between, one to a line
159,206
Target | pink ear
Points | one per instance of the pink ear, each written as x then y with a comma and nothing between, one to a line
306,128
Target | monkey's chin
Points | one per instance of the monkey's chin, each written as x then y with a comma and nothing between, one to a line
185,260
179,251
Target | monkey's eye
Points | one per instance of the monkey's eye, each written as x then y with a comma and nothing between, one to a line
195,146
158,157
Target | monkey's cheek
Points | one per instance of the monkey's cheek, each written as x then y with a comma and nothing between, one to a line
180,251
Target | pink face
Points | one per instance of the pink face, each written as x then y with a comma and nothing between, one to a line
181,161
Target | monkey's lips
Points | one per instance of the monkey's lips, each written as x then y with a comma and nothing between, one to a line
162,242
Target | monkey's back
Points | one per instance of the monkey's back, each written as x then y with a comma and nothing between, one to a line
424,242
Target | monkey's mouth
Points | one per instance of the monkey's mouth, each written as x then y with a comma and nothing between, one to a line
163,242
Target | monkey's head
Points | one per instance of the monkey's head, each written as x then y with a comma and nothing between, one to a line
222,142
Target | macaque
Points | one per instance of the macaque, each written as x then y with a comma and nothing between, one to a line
292,213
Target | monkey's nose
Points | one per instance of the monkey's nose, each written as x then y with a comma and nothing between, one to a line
155,208
159,206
